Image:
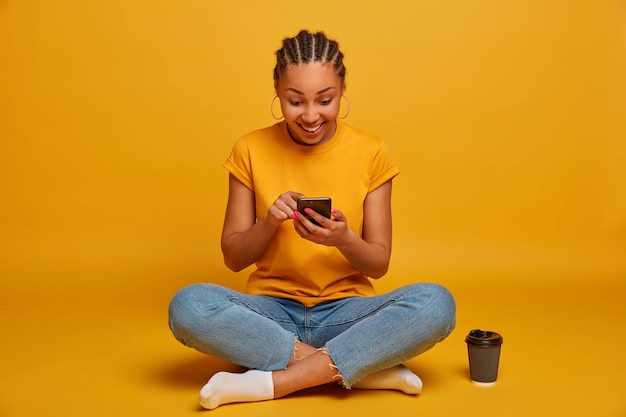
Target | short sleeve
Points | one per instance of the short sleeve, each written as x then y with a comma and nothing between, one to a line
239,163
383,167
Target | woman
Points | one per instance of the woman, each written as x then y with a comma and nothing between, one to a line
310,314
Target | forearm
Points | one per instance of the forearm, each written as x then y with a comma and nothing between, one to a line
242,249
371,259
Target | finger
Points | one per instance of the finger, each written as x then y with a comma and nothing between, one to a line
283,208
288,211
338,215
294,197
301,224
316,216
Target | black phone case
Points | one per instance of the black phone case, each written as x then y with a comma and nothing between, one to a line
321,205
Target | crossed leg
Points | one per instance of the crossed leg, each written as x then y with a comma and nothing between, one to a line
308,367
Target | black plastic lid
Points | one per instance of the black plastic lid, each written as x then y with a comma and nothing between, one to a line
483,338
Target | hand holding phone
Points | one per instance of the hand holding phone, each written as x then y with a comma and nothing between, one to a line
321,205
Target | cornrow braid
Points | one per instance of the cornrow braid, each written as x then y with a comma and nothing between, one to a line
309,47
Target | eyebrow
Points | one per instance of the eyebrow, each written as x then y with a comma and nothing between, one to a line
322,91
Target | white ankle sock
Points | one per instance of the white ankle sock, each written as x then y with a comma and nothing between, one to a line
397,378
226,387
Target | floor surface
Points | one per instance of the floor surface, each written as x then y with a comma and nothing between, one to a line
108,352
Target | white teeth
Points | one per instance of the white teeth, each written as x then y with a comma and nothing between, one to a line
311,129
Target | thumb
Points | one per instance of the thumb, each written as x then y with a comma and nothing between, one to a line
338,215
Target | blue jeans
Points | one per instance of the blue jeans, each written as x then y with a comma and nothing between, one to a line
362,335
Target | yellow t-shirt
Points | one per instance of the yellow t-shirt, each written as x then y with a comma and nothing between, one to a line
345,168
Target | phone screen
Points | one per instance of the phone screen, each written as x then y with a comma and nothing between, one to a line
321,205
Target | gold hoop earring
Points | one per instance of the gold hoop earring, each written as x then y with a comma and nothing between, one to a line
272,109
347,112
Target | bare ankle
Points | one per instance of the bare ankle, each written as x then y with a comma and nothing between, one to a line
316,369
300,351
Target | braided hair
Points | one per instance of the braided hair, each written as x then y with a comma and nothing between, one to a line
309,47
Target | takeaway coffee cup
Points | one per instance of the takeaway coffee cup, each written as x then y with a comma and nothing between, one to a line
483,349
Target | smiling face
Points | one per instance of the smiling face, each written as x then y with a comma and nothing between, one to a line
310,95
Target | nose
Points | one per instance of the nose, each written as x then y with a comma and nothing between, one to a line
310,114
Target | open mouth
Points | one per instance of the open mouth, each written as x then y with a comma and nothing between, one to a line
312,129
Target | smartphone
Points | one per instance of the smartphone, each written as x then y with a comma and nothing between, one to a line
321,205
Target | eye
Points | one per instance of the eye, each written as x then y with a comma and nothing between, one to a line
294,103
326,102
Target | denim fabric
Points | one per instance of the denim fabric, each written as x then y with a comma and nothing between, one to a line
362,335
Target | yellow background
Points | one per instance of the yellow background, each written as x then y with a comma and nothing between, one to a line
507,120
